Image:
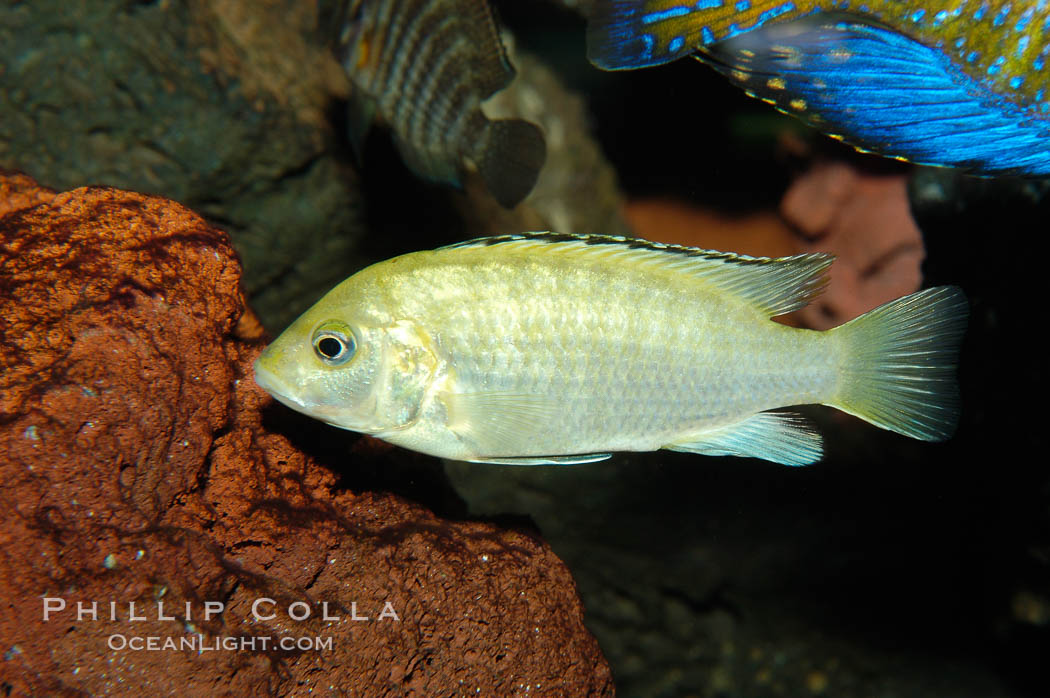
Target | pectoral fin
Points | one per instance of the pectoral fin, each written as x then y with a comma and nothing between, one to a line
780,437
500,423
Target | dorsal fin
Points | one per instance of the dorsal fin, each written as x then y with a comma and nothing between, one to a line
774,285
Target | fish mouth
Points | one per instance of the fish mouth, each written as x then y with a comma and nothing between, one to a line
276,388
282,393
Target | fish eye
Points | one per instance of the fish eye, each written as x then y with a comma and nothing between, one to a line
334,345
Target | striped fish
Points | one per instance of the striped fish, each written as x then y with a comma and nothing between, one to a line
941,82
424,67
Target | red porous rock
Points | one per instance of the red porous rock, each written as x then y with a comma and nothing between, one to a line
138,481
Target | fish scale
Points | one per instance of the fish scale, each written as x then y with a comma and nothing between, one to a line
593,359
547,348
590,360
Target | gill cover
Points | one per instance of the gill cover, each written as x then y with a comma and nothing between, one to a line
406,372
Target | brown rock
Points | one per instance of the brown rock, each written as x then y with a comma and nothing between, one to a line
136,470
18,191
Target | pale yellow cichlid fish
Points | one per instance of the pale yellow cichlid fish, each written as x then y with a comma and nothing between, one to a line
548,348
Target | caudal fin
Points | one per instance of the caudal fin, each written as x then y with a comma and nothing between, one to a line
899,364
509,156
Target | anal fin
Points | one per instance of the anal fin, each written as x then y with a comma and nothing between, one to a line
780,437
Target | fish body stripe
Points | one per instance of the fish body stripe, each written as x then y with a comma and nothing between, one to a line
424,67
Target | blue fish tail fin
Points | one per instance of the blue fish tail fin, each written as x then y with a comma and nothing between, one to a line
627,34
898,367
509,155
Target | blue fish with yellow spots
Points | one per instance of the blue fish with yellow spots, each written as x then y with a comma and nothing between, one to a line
960,83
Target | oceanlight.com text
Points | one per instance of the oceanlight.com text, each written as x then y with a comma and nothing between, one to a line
199,643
